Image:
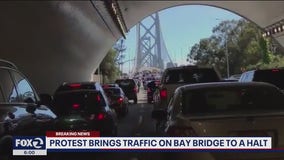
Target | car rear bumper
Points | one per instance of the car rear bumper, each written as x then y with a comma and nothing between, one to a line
104,126
132,96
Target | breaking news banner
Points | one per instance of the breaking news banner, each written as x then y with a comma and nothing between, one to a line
61,141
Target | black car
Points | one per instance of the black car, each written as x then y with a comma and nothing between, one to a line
117,99
110,85
84,107
274,76
129,87
21,111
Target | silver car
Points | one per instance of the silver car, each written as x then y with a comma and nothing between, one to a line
229,109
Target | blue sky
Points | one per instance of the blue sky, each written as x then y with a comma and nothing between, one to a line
181,27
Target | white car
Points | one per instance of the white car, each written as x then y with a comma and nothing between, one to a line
229,109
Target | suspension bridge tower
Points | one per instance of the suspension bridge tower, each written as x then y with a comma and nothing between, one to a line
149,51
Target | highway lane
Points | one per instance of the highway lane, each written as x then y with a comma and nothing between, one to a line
138,123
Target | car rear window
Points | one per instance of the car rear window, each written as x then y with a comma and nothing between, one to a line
192,75
125,82
274,76
232,99
78,101
112,91
75,86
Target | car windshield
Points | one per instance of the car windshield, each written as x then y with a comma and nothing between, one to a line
77,101
274,76
192,75
232,99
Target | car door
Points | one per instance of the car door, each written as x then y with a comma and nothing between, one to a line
9,112
33,118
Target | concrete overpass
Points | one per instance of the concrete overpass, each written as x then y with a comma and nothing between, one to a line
57,41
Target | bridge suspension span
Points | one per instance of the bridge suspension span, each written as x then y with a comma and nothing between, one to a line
151,50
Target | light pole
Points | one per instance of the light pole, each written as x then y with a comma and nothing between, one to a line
227,56
120,48
121,63
226,50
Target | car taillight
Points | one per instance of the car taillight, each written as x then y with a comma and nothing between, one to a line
99,116
75,85
76,106
98,98
135,89
163,93
120,100
181,131
275,70
105,86
148,90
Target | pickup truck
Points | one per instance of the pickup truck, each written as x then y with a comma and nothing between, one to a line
175,77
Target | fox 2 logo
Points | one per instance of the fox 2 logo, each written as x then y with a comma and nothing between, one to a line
29,142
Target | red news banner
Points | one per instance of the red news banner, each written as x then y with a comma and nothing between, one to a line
72,134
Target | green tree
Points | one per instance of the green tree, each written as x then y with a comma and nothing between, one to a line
109,68
244,43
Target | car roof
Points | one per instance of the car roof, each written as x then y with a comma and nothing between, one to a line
185,67
225,84
112,88
107,85
76,86
8,64
86,82
123,79
267,69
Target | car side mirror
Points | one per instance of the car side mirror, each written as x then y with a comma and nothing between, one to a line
31,109
159,114
46,99
29,100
